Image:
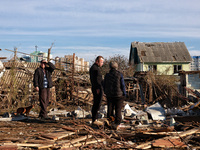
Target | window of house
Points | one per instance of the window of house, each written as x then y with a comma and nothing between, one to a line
152,68
177,68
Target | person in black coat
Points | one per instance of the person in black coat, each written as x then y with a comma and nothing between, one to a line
97,87
43,82
114,88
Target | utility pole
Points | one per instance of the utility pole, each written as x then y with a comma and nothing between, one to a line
15,54
49,52
72,79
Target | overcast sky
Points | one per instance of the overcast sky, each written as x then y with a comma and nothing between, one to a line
96,27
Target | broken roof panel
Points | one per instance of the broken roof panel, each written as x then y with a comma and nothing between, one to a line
161,52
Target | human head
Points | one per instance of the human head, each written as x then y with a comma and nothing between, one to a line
43,63
113,65
99,61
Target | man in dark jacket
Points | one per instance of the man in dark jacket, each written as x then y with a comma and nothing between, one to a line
115,91
97,87
42,82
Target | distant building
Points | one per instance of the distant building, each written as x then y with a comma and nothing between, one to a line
36,56
195,64
160,57
2,69
66,63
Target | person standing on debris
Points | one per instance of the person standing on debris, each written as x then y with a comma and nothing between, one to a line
43,82
97,87
114,88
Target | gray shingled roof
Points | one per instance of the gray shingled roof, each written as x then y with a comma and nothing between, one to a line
161,52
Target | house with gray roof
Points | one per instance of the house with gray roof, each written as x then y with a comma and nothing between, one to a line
162,57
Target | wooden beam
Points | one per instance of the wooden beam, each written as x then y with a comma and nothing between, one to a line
71,143
69,129
182,134
49,52
56,136
87,143
39,146
3,57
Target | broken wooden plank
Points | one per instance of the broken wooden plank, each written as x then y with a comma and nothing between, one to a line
3,57
71,143
89,142
10,139
160,133
57,135
169,143
8,147
163,129
189,132
42,146
62,142
182,134
69,129
39,146
84,143
144,145
44,141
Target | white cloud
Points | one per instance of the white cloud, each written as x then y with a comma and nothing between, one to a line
194,52
117,32
99,15
78,19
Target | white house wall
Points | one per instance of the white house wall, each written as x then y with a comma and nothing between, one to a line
167,69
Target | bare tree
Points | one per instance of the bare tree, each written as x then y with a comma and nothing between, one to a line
123,65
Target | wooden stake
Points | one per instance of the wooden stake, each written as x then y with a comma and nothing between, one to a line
49,52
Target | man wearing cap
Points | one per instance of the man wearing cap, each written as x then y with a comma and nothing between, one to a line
43,82
115,91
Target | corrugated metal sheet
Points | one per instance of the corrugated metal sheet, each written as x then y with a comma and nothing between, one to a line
161,52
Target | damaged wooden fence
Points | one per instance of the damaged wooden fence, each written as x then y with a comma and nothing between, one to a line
16,86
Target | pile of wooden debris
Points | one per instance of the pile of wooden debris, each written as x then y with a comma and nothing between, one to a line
71,132
155,114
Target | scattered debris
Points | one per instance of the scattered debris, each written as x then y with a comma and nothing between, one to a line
155,114
156,111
